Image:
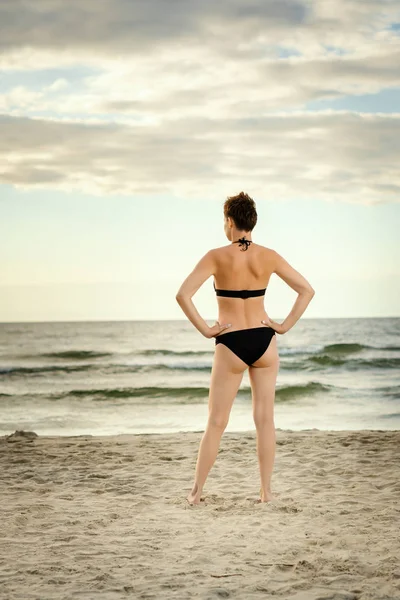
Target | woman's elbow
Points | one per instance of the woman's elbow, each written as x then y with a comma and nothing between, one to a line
308,291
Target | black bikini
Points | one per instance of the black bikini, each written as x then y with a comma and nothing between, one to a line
248,344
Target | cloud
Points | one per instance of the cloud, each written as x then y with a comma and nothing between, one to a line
57,85
191,97
54,32
327,155
204,84
126,25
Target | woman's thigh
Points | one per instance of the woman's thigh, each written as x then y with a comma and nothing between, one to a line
226,376
263,376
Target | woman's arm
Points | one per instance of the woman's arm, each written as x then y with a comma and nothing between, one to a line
202,271
298,283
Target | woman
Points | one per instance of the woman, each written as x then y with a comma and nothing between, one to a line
241,273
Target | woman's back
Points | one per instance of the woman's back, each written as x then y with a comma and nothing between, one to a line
238,270
242,270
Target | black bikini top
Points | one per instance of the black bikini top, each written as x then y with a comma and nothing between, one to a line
239,293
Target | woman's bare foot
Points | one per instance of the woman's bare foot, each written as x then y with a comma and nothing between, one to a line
266,497
194,497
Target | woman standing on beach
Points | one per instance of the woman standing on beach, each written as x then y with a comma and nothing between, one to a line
241,273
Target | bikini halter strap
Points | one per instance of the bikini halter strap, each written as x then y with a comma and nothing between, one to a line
243,242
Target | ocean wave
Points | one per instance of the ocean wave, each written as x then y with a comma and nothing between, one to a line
390,415
113,368
168,392
282,393
177,367
313,363
343,348
325,360
165,352
144,392
392,391
339,349
289,392
76,354
38,370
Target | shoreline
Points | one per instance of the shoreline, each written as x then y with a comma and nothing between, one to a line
20,435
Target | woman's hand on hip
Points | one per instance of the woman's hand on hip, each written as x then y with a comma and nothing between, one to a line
216,329
278,327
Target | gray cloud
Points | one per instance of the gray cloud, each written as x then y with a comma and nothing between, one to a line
269,85
128,24
204,85
343,156
195,95
93,30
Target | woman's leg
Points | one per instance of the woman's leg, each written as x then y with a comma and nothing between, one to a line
226,376
263,383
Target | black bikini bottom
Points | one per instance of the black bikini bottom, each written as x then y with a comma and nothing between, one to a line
247,344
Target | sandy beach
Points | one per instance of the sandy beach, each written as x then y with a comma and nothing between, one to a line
106,517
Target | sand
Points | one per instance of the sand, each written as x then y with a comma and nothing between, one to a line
106,518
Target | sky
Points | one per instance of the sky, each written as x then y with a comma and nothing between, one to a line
125,125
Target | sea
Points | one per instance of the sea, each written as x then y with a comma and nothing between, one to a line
117,377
